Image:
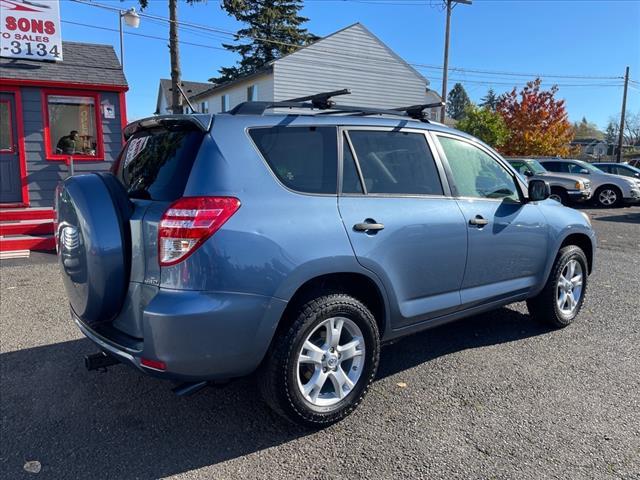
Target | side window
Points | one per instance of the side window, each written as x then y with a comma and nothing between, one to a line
305,159
350,179
396,162
573,168
477,174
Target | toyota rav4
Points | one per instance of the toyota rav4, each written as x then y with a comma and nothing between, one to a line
295,245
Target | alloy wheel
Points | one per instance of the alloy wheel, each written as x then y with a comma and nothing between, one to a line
607,197
331,361
569,289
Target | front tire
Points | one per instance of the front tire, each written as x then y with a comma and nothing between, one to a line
608,196
320,368
559,195
559,303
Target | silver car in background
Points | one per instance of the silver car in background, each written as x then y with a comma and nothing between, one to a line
565,187
609,190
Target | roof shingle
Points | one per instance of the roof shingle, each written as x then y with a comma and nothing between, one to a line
84,63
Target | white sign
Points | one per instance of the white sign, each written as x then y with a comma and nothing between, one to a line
30,29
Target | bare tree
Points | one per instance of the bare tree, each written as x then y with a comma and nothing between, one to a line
631,128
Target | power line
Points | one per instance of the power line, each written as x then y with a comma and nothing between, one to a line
194,26
153,37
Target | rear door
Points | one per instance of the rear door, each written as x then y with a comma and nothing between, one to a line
508,238
401,223
10,180
154,168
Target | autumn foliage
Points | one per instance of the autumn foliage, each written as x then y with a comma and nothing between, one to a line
537,121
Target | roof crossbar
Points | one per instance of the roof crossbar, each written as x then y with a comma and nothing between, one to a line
322,101
417,111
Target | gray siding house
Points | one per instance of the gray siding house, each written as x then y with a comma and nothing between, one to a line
351,58
52,113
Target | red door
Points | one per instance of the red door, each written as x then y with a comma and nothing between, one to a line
10,171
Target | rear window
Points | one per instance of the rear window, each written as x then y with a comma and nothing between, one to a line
155,164
304,159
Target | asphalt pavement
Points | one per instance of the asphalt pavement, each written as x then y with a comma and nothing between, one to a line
493,396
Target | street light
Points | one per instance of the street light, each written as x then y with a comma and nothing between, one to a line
132,19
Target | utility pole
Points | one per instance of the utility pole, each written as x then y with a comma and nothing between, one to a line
624,109
176,98
445,66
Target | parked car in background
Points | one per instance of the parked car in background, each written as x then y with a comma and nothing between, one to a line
635,162
623,169
609,190
296,245
565,187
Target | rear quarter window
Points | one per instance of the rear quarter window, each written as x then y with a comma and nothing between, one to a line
304,159
156,164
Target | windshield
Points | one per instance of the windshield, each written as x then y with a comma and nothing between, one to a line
155,164
536,167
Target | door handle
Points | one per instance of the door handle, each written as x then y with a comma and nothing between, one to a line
368,226
479,220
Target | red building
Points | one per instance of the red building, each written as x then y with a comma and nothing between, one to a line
52,114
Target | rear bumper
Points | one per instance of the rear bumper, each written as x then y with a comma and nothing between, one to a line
198,335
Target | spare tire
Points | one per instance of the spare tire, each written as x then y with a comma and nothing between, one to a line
93,238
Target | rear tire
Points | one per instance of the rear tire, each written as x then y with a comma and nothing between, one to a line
559,303
608,196
307,380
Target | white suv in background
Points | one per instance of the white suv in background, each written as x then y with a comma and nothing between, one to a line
609,190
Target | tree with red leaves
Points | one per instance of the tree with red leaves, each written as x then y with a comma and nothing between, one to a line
537,121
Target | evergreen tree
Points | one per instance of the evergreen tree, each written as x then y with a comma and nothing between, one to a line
490,100
457,102
611,133
586,129
273,29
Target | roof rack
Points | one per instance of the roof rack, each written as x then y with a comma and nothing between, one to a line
322,101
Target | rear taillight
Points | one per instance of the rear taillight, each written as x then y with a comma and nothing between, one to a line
188,222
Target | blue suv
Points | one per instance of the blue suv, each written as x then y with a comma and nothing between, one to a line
295,244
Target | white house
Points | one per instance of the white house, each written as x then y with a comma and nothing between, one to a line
351,58
190,89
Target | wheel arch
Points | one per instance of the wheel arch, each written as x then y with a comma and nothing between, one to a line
583,241
358,285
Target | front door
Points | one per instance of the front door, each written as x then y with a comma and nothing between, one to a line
10,179
508,238
400,223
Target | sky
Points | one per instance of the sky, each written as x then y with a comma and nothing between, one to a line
581,38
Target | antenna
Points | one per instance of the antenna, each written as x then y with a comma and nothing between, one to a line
184,95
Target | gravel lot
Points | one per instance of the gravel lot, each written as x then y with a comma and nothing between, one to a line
493,396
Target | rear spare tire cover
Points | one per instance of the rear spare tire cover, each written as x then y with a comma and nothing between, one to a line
92,237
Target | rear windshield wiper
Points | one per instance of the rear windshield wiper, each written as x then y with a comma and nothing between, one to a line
139,193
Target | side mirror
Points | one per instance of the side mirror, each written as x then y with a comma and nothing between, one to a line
528,173
584,171
538,190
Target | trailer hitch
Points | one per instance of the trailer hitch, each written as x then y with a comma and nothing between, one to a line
99,361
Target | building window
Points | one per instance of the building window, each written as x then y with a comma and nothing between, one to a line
72,125
224,103
204,107
252,93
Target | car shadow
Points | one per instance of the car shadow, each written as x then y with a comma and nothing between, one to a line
121,424
631,217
